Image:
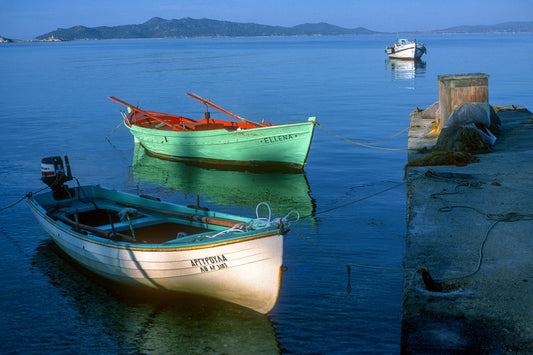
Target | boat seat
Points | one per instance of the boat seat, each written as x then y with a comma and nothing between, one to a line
231,128
205,126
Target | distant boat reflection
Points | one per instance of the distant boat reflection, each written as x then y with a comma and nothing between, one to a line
282,191
144,321
405,69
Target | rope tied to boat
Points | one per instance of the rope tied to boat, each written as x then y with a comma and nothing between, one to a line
262,222
27,196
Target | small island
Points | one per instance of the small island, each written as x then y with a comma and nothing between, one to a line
51,38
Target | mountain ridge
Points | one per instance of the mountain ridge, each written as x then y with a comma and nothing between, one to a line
504,27
187,27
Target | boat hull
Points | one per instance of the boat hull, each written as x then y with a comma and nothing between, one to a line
282,145
244,270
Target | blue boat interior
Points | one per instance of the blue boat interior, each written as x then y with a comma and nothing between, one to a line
113,220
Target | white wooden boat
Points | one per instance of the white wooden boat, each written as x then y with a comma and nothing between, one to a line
404,49
140,240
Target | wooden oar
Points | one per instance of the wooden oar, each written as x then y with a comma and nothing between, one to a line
209,103
149,115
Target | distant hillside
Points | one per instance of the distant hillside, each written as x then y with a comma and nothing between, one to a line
330,30
507,27
188,27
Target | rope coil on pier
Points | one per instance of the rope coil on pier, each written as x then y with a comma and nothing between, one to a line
466,181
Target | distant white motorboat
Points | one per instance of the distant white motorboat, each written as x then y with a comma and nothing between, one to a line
403,49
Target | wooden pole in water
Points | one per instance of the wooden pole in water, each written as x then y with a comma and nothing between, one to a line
458,89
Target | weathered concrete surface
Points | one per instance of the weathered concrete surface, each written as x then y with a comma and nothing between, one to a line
472,228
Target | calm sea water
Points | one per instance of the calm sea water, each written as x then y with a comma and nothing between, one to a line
54,102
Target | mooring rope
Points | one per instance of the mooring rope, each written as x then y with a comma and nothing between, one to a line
28,195
350,265
15,241
360,199
366,144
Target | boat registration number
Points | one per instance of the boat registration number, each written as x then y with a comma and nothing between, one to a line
210,263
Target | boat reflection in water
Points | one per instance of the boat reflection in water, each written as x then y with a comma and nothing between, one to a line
145,321
283,191
405,69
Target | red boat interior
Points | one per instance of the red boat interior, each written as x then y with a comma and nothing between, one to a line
166,122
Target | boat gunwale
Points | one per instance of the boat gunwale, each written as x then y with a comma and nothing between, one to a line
131,119
223,131
168,246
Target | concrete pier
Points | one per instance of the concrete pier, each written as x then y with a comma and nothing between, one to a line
471,227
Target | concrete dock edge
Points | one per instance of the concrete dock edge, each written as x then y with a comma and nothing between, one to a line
471,227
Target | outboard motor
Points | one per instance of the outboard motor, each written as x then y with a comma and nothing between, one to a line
53,174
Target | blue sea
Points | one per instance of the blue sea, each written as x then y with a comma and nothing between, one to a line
351,198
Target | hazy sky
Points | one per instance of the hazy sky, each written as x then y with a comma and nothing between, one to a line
27,19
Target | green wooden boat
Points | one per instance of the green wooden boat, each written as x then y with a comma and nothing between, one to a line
213,141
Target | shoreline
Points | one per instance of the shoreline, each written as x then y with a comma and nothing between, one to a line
405,34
